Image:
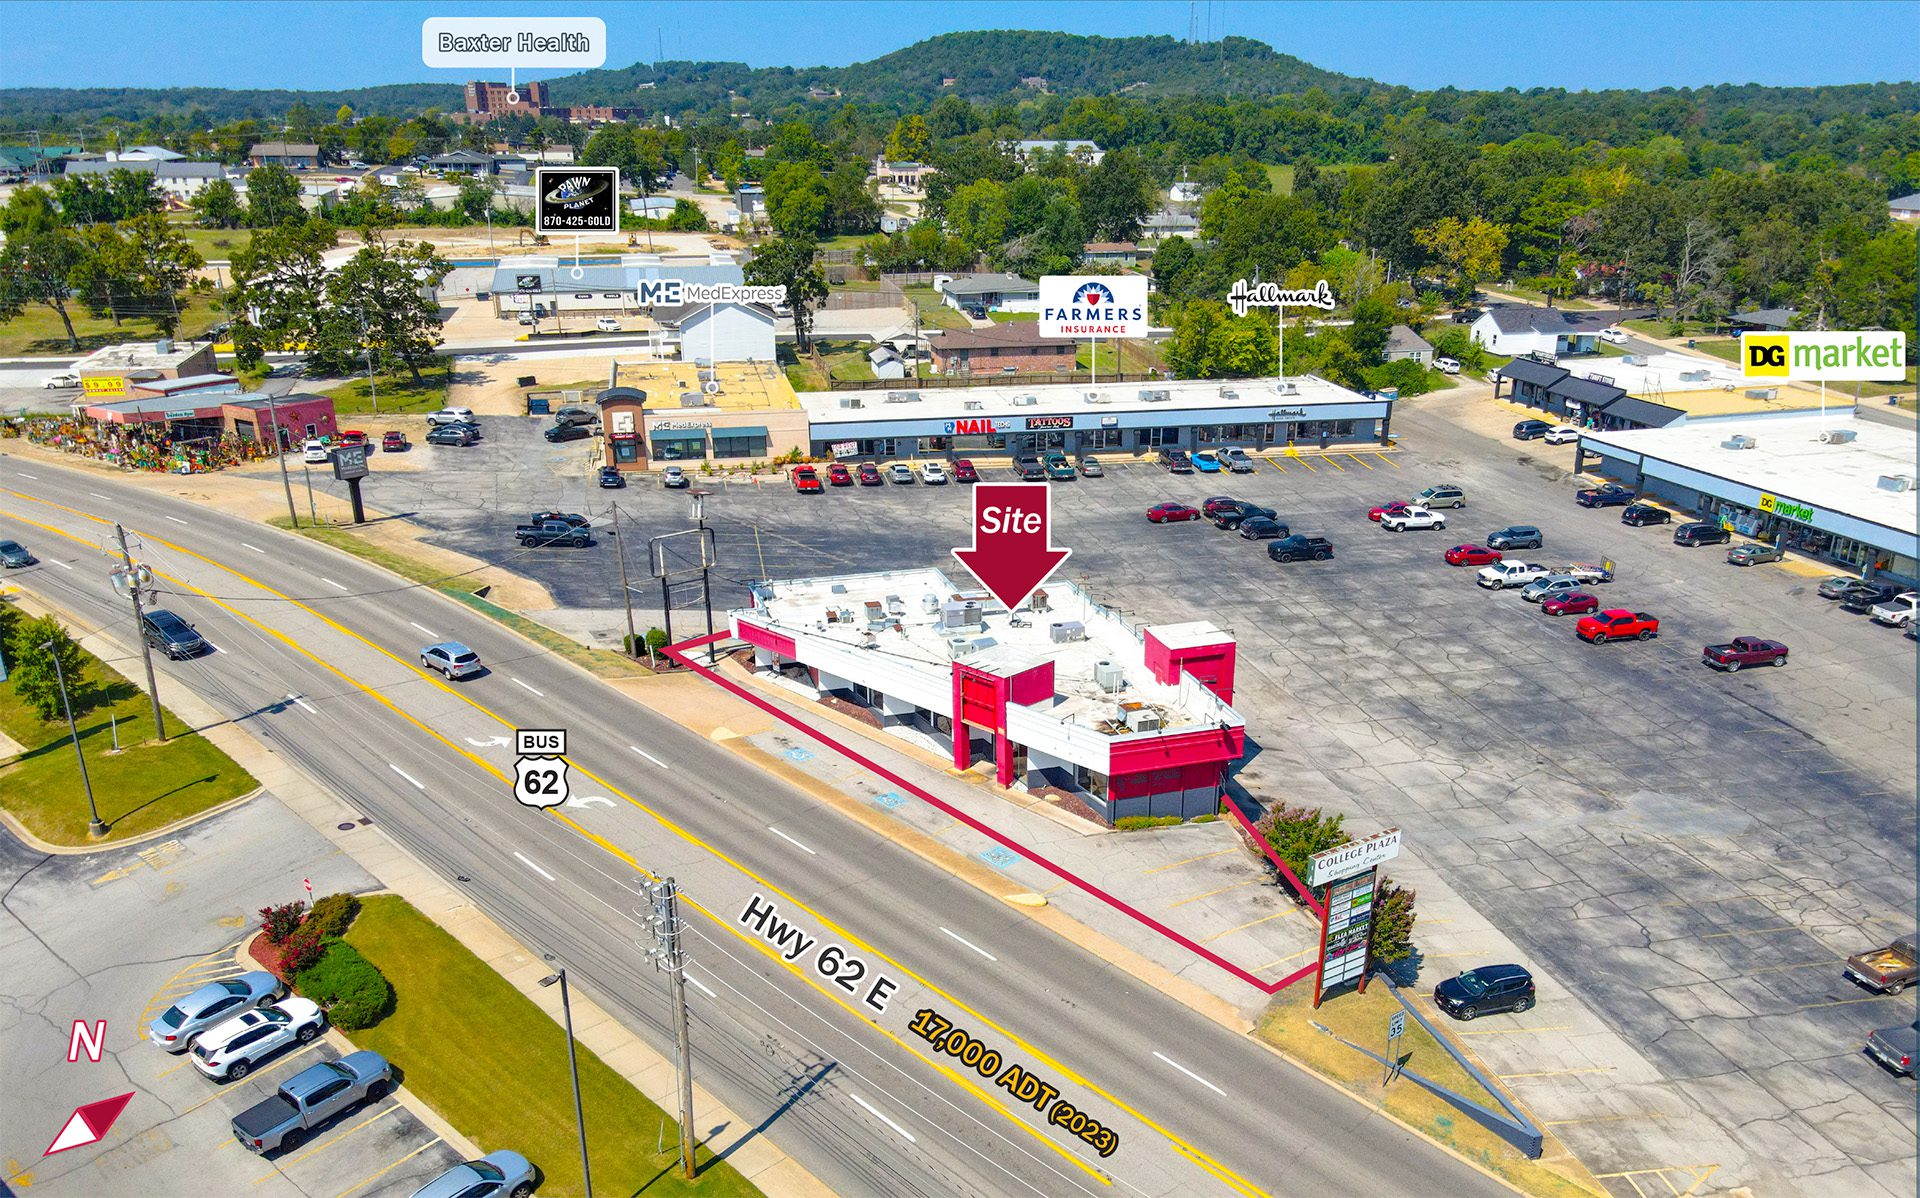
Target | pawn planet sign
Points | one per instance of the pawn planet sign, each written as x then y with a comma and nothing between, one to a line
1012,551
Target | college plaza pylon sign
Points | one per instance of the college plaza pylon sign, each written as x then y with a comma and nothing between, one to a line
1351,874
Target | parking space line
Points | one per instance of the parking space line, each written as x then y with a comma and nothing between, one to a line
1275,464
1243,927
373,1177
1283,960
1209,894
1748,932
1358,458
1842,1002
1389,461
1300,461
255,1075
330,1142
1507,1077
1189,861
1329,461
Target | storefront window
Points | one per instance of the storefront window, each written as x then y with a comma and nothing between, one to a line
754,446
692,449
626,449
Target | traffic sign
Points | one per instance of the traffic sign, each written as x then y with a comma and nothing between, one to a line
540,770
1397,1025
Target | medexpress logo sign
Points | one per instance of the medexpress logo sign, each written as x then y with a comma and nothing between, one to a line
1101,306
1830,357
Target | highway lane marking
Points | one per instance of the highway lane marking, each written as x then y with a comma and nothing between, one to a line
790,840
528,862
430,632
98,495
874,1111
404,774
650,757
178,520
970,944
24,474
305,704
694,981
255,548
336,586
61,564
373,1177
1038,1054
524,686
1190,1073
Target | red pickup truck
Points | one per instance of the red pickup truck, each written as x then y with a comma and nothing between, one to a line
1617,624
1888,970
1744,651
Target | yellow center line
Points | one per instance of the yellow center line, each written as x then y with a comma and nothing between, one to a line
1243,927
373,1177
330,1142
1189,861
1209,894
759,944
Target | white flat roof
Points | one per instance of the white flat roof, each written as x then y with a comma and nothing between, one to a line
1789,459
1258,396
912,635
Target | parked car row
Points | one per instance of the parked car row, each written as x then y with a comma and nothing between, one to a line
1251,521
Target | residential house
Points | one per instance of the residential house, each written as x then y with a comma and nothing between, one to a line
179,182
469,162
1075,147
1520,329
1762,320
985,292
294,155
1906,209
907,176
1170,222
148,154
1405,344
720,332
1110,253
1012,348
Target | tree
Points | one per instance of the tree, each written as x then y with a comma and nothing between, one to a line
217,206
279,284
83,199
1173,263
476,197
1297,833
687,217
1372,321
1469,251
134,193
377,306
797,200
1390,936
29,208
788,262
140,267
31,659
730,164
851,208
1209,342
35,268
273,197
977,214
1115,196
909,139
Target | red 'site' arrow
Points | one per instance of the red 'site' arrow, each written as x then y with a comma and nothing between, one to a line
89,1123
1012,551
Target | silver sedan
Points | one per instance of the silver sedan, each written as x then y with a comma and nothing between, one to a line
174,1028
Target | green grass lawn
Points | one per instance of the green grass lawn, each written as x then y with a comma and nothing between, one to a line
495,1066
143,786
1108,362
998,317
934,313
1281,177
398,392
38,330
1571,303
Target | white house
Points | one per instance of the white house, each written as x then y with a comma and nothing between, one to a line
1520,329
1074,147
179,181
721,332
1403,342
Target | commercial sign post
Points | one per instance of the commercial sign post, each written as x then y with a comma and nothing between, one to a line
1247,294
350,466
1093,306
1350,874
1810,357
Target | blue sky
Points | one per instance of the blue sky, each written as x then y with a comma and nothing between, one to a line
1466,43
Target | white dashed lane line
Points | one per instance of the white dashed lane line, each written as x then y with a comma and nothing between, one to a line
404,774
524,686
649,756
1190,1073
330,582
970,944
524,860
430,632
872,1110
790,840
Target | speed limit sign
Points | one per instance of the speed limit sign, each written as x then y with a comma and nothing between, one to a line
540,770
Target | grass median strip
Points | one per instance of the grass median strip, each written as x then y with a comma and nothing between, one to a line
143,786
495,1066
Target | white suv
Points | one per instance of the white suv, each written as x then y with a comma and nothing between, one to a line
450,416
1413,517
229,1051
1613,336
1447,365
315,451
607,324
933,473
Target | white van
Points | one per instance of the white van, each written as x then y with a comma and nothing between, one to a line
315,451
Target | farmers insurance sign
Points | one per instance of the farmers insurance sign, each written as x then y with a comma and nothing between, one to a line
1830,357
1093,306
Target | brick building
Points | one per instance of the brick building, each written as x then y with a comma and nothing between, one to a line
1013,348
490,99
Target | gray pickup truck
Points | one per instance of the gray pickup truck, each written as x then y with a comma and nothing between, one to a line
310,1098
553,532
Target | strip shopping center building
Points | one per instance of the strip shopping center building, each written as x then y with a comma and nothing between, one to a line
1060,694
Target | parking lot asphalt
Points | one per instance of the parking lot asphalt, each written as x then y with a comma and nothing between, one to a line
118,936
1692,854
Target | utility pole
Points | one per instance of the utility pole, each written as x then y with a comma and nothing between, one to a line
573,1066
626,592
706,584
95,826
280,452
670,956
140,629
373,391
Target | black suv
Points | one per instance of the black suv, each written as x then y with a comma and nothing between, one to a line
1699,532
451,434
1642,514
1527,430
1233,515
1487,990
1863,595
170,634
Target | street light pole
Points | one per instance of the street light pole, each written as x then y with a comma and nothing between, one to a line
573,1065
95,825
706,585
140,630
626,592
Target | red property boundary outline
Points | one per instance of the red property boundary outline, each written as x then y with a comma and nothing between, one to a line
678,652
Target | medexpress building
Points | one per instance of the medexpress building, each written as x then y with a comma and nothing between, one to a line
1060,693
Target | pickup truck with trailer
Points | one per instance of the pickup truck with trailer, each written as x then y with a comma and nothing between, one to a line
310,1098
1585,572
1501,575
1617,624
1888,970
553,532
1744,651
1564,580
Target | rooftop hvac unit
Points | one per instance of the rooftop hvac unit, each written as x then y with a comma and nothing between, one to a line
852,401
869,640
693,399
838,588
707,376
959,646
1025,401
876,615
896,605
957,613
1634,359
1143,719
930,603
1288,388
1896,482
1038,601
1739,441
1110,676
1768,393
1099,397
1837,436
903,397
1695,376
1062,631
972,405
1156,397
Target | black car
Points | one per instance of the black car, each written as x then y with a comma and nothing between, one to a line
451,434
170,634
1233,516
467,426
1527,430
1610,495
1863,595
1030,469
1176,461
1642,514
1297,548
576,415
1262,528
1699,532
1516,536
610,477
1487,990
13,554
570,519
568,432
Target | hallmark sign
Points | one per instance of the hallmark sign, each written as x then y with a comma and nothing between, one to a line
1271,295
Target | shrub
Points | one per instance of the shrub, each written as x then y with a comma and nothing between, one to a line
1390,940
279,922
1206,819
352,990
1297,833
1135,823
333,914
656,639
301,948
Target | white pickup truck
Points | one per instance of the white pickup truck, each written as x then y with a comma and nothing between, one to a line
1501,575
